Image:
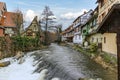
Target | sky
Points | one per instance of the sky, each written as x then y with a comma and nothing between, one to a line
65,10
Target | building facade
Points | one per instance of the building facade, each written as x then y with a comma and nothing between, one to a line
68,34
109,28
2,9
104,7
77,24
89,29
33,29
9,23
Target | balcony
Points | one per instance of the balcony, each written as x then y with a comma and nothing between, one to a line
77,24
77,32
108,5
93,29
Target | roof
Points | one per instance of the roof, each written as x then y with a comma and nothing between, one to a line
114,7
2,5
35,19
68,29
89,20
82,15
95,10
8,19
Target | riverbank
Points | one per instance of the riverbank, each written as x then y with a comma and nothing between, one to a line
106,60
18,55
61,62
3,54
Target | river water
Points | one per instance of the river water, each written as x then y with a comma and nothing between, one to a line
55,63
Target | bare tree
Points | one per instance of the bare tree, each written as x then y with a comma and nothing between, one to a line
18,21
59,33
58,29
46,14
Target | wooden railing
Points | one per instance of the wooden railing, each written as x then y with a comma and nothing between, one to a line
108,5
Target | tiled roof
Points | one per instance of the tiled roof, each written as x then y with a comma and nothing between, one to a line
7,19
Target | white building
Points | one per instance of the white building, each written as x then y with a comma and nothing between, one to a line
78,22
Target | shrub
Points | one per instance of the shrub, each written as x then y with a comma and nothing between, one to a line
93,47
25,43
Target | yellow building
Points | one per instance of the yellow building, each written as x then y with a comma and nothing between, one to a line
104,7
109,43
95,38
110,30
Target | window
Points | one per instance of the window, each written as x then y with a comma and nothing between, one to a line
4,9
104,39
97,39
94,22
79,37
101,39
102,3
90,24
92,39
84,31
103,15
99,19
29,33
35,28
76,37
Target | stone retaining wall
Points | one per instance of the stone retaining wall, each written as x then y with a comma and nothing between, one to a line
6,47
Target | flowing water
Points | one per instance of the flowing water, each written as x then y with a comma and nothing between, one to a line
55,63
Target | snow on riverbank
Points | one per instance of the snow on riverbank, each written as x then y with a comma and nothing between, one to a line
22,71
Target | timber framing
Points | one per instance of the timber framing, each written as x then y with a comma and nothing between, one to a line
113,13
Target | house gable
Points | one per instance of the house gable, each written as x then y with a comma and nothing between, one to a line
33,28
34,25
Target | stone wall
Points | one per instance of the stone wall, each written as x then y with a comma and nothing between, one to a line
6,47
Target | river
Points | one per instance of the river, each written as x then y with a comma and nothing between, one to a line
55,63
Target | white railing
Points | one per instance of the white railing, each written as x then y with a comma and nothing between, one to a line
77,32
76,24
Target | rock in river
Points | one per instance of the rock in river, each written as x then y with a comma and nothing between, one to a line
4,64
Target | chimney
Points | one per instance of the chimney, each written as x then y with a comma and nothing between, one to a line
85,12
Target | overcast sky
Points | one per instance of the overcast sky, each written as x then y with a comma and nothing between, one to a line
65,10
